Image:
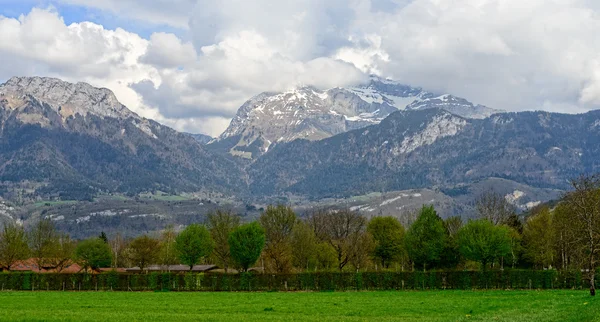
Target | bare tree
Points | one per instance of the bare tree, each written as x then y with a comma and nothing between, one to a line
304,244
44,241
567,241
118,246
13,245
494,207
63,253
342,230
453,225
220,225
168,255
584,203
278,223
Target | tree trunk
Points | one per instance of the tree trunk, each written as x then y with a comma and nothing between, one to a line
593,284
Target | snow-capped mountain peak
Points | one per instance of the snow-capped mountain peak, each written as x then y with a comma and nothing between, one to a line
313,114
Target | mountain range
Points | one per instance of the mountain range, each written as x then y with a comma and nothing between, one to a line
75,141
376,147
311,114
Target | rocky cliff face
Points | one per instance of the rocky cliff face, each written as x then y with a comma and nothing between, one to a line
435,148
77,140
312,114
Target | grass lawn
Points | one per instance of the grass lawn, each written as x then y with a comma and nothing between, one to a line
343,306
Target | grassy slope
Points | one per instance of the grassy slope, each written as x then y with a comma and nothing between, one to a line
349,306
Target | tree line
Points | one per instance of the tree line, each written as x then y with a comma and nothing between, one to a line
566,237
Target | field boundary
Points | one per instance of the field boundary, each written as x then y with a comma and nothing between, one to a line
316,281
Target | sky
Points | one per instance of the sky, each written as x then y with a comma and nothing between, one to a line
190,64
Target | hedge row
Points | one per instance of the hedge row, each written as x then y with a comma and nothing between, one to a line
322,281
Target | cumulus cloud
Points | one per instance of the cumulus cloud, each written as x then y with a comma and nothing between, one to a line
41,44
508,54
168,51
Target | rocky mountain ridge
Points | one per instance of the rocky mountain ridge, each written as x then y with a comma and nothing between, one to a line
435,148
312,114
74,141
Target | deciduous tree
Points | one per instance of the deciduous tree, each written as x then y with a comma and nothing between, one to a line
168,252
341,229
143,251
538,238
389,235
93,253
494,207
278,223
426,238
13,245
481,241
193,244
246,244
220,225
64,252
43,242
304,245
584,205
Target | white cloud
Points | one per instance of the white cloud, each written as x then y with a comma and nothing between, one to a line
41,44
509,54
168,51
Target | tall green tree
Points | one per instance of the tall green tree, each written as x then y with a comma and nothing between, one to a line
538,238
278,223
93,253
426,238
481,241
193,244
13,245
220,225
389,235
143,251
246,244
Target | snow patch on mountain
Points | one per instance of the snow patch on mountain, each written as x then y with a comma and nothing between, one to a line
313,114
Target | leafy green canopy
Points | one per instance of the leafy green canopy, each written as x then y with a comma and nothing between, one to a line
193,244
246,243
93,253
481,241
389,238
426,238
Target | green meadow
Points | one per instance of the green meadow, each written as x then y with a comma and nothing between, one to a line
300,306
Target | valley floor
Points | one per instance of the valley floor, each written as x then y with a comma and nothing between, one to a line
344,306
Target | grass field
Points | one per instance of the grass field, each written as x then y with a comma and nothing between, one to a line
344,306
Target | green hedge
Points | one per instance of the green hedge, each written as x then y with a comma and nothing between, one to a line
321,281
